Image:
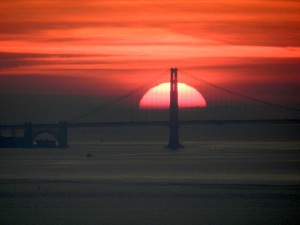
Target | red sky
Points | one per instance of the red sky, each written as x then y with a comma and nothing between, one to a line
99,47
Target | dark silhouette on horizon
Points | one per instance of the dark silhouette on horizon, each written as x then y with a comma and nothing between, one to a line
59,131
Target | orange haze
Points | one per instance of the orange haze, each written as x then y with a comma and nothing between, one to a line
99,47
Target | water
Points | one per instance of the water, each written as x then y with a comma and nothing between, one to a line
138,183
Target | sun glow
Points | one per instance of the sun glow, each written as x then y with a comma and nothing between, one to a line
159,97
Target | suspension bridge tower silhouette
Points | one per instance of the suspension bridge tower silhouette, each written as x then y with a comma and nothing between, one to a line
174,111
247,110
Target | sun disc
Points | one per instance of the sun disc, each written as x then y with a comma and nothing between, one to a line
158,97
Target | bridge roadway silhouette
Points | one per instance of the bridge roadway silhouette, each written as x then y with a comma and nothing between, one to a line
63,141
152,123
60,130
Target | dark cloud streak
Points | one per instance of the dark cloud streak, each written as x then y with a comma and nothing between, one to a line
13,60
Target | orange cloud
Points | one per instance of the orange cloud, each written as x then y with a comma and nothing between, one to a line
131,40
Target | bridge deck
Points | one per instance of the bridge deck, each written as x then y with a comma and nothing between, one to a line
155,123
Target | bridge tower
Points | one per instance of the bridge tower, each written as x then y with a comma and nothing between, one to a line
174,111
62,134
28,135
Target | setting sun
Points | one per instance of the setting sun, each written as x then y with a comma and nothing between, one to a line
159,97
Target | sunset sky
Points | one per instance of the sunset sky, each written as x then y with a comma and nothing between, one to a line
101,47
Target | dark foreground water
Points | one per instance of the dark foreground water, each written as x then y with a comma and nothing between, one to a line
145,184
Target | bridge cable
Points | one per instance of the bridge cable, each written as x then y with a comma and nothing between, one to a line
237,93
126,95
